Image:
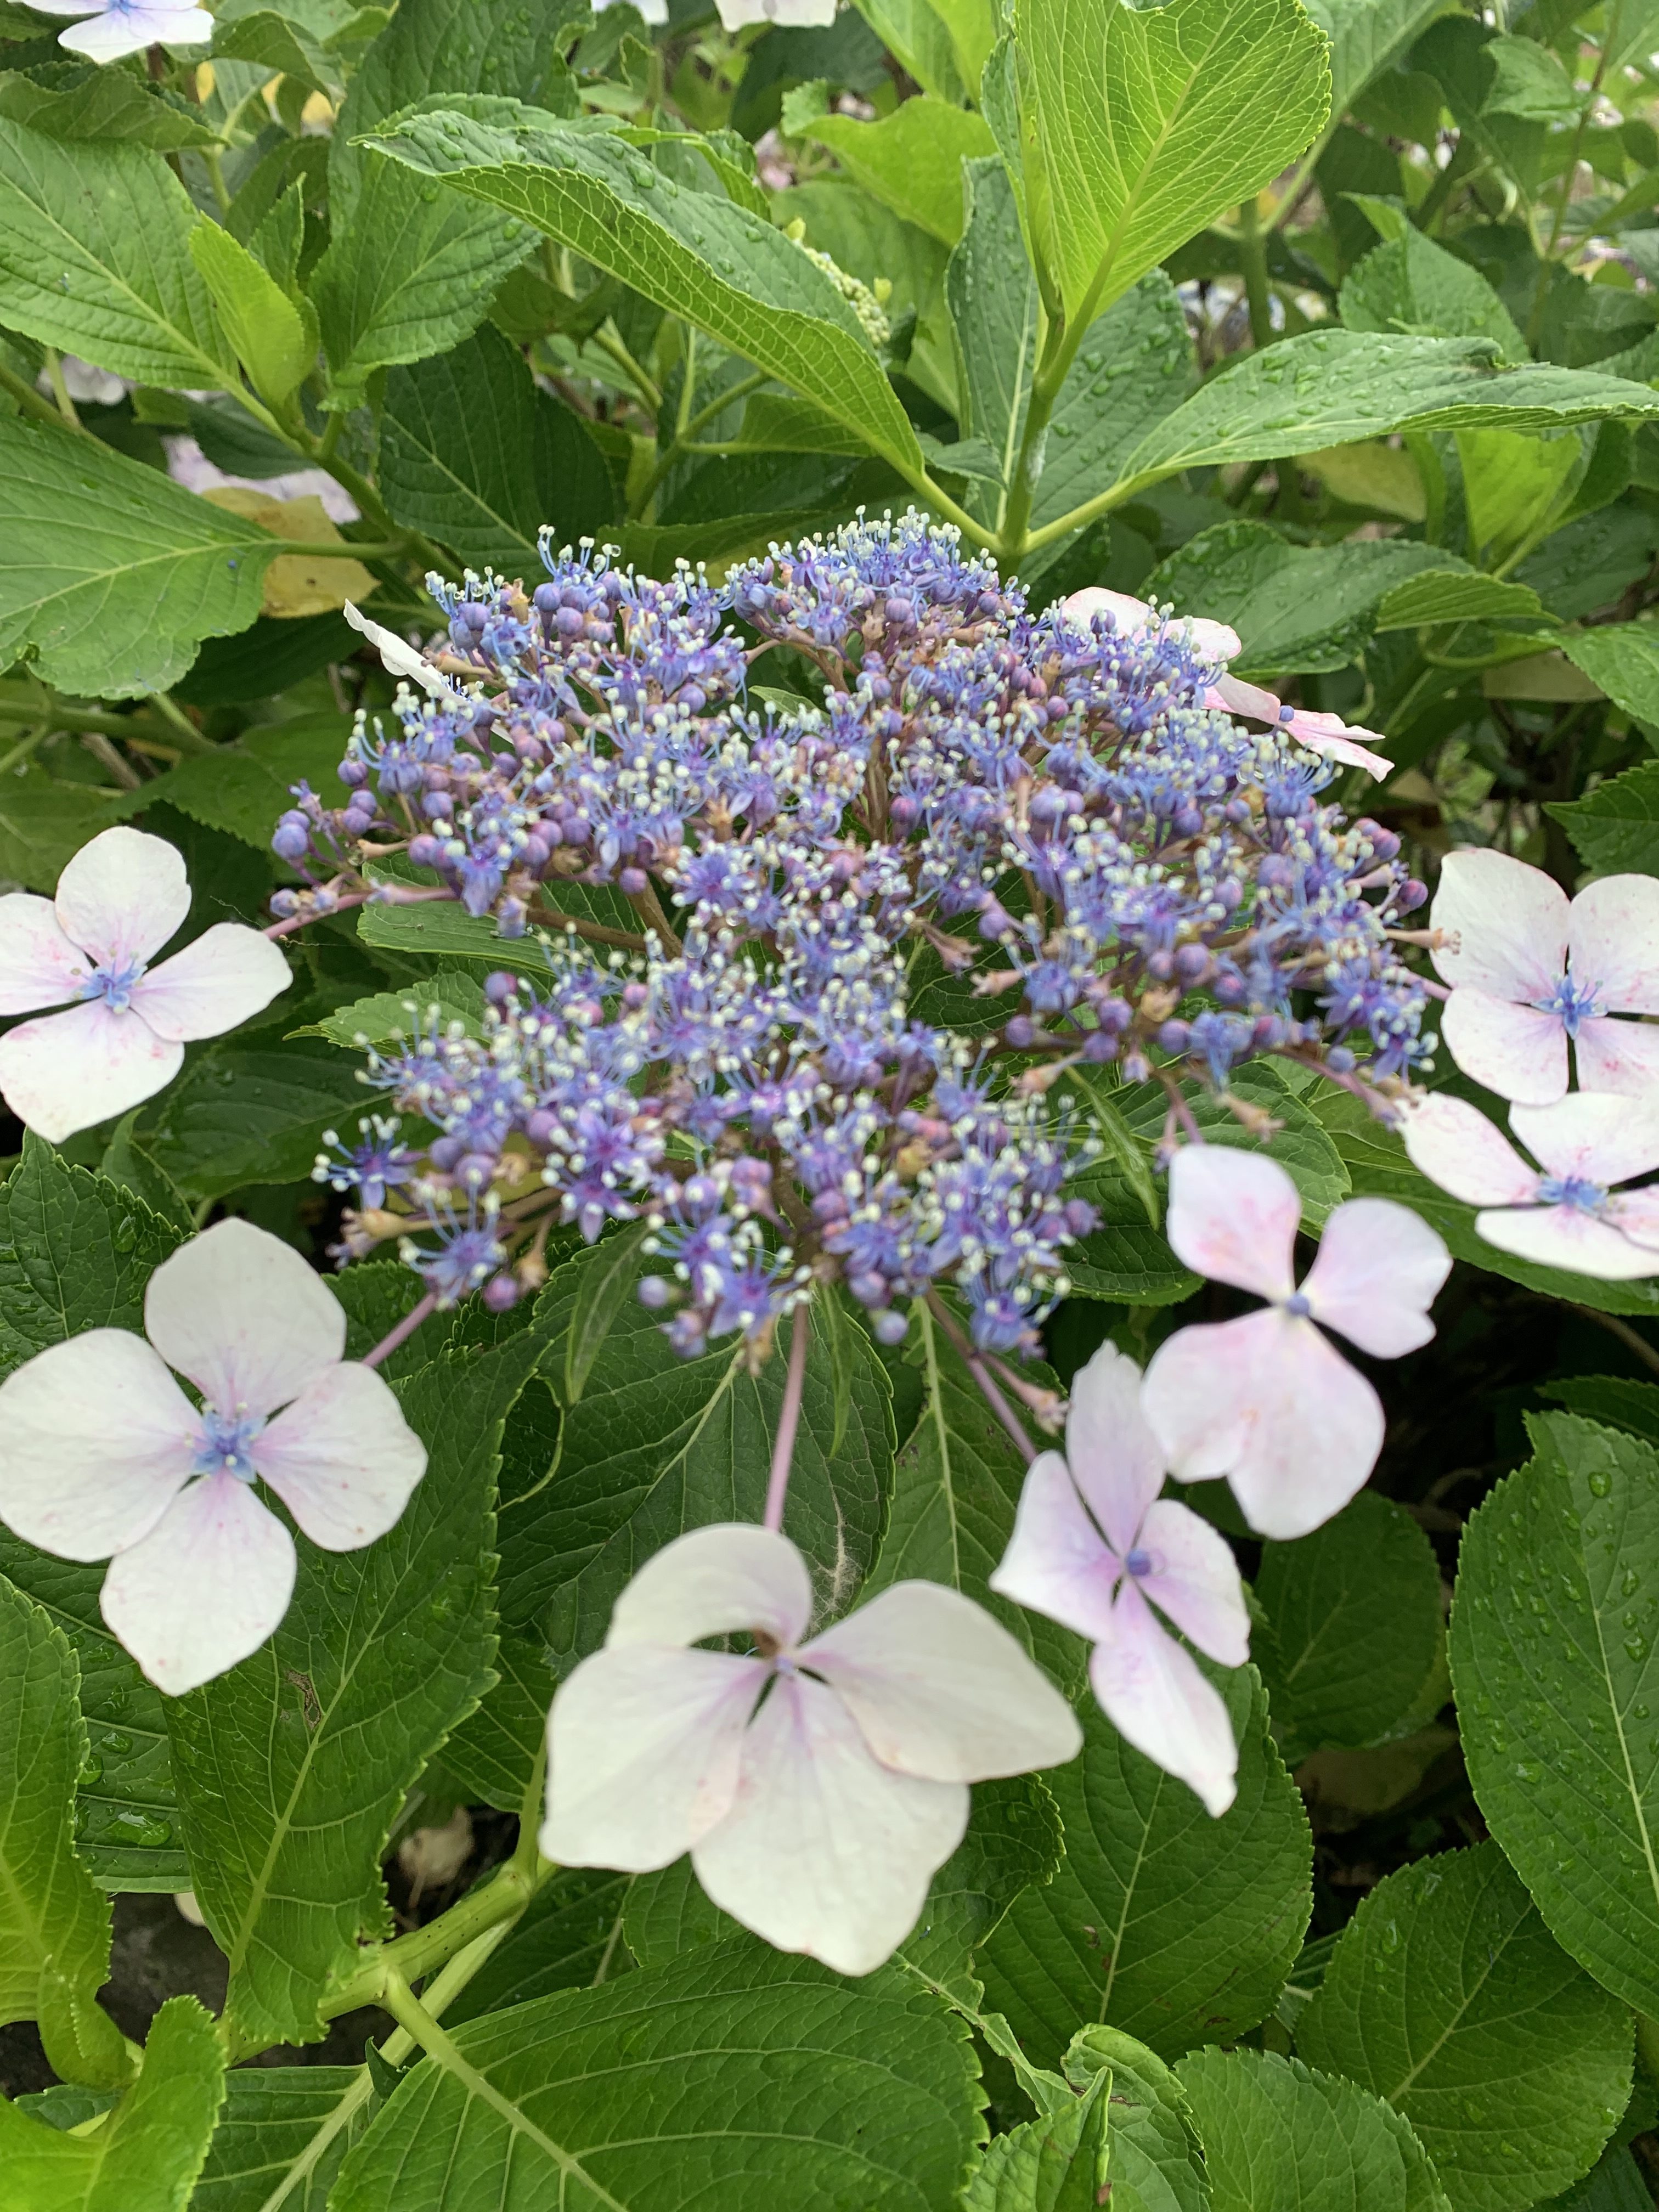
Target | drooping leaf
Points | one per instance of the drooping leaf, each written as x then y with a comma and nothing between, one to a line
911,159
1447,1996
1057,2163
269,336
282,2127
1444,593
1154,2157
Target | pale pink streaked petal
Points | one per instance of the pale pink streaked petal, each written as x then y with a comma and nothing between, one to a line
1598,1135
228,974
1271,1404
1565,1237
825,1850
1510,921
1332,738
68,7
1635,1215
341,1457
712,1581
123,896
1233,1216
1612,936
1193,1579
70,1071
1214,641
206,1587
642,1753
1233,696
240,1313
97,1439
1056,1563
1455,1145
39,966
941,1690
1130,615
1618,1055
1116,1462
1520,1052
110,38
1380,1268
1155,1696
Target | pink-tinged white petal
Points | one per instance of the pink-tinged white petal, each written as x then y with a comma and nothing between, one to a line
1635,1215
1271,1404
240,1313
341,1457
1566,1237
206,1587
790,15
941,1690
1455,1145
643,1747
1233,1216
70,1071
1332,738
1520,1052
1056,1562
229,974
1511,924
398,657
121,897
1232,694
68,7
39,966
96,1440
110,38
1130,615
1116,1462
1598,1136
1155,1696
713,1581
1616,1053
1380,1268
825,1850
1194,1581
1613,938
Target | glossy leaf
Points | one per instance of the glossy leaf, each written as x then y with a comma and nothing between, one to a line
283,2129
1057,2163
911,160
1154,2151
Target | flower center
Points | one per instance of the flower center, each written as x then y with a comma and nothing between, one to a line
1138,1562
1296,1304
1573,1001
223,1445
114,985
1576,1191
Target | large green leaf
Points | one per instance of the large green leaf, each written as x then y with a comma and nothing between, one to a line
290,1768
1447,1996
1410,283
1623,658
1057,2163
111,576
1553,1658
1150,124
251,1114
242,788
1366,36
280,2137
911,160
104,104
1615,828
765,2076
1154,2158
696,254
1168,1924
1279,2137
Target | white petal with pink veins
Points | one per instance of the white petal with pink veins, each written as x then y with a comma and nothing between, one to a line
1566,1237
1380,1268
1194,1581
1510,921
1455,1145
1232,694
941,1690
1233,1216
241,1314
1635,1214
1332,738
1116,1462
1614,935
712,1581
39,966
1056,1563
1268,1402
1155,1696
1615,1055
225,976
341,1457
643,1747
123,897
97,1439
206,1587
1520,1052
1598,1136
824,1849
70,1071
1130,615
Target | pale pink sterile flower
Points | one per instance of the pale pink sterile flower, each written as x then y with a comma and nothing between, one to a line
1267,1401
102,1456
1566,1213
122,1034
113,28
1328,735
1533,972
817,1785
1096,1548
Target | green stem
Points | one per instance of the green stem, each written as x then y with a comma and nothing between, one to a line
81,721
1253,253
191,739
338,549
1457,171
1015,538
215,169
33,405
680,444
608,341
60,390
495,1904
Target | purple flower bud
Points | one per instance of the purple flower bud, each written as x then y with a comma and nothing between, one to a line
1192,962
501,1293
352,771
1099,1047
500,985
890,1327
1174,1036
869,1289
634,882
1411,895
425,851
654,1291
293,839
1022,1032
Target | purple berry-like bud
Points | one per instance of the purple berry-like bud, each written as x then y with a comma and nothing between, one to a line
1411,895
1100,1046
1339,1060
501,1293
1269,1030
654,1292
542,1127
500,985
1192,962
634,882
1160,966
292,840
1174,1036
512,917
283,904
352,772
870,1289
1081,1218
425,851
444,1151
890,1327
1021,1033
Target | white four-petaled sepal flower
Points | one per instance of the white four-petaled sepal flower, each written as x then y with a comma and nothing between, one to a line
1096,1548
1533,972
122,1032
113,28
817,1785
1566,1214
103,1456
1267,1401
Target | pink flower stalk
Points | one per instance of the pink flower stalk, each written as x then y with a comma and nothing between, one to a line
818,1786
118,902
1096,1548
1533,972
117,27
1328,735
1267,1399
1566,1213
102,1456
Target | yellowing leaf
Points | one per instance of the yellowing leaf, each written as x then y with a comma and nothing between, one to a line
297,583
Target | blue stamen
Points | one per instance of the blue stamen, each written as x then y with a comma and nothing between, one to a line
1576,1191
1296,1304
1573,1001
222,1448
1139,1562
114,985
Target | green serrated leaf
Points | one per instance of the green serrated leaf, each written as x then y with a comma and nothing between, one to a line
387,1015
605,1287
1410,283
104,104
269,336
1445,594
1366,36
1613,1400
570,1937
1013,1844
244,1114
1623,660
1156,2162
1057,2163
281,2134
911,160
278,42
1615,828
492,1752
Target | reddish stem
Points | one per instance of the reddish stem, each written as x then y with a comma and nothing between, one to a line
783,1448
975,1366
405,1328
